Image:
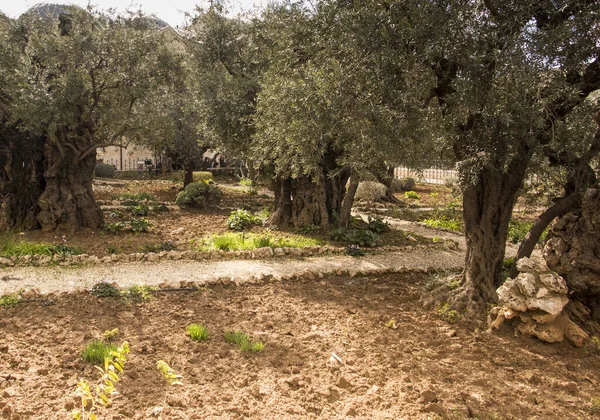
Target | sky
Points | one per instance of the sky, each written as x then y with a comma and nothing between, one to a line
171,11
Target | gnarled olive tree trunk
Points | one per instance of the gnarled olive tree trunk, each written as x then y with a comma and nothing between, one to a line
67,203
311,200
21,179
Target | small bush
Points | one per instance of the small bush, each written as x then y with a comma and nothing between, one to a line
141,293
451,316
241,220
159,208
362,237
243,242
104,289
140,210
354,251
404,184
140,225
112,249
114,227
370,191
262,241
96,351
199,195
307,229
110,335
412,194
104,170
242,340
203,176
444,223
169,374
197,332
8,301
378,225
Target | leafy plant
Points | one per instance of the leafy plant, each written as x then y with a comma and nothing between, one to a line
307,229
8,301
114,227
412,194
130,203
112,249
104,170
444,223
140,225
354,251
378,225
140,210
104,289
159,208
169,374
243,242
197,332
362,237
140,293
113,365
97,351
249,186
109,335
451,316
391,324
199,194
12,247
242,340
241,219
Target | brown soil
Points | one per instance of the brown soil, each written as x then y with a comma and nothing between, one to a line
383,375
167,226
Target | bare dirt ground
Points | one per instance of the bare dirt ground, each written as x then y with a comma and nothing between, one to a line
422,367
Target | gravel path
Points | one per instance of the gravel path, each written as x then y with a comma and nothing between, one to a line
60,279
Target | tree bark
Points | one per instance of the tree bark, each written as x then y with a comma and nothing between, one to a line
188,176
387,181
21,179
487,209
67,203
346,211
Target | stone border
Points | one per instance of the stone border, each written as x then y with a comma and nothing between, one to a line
154,257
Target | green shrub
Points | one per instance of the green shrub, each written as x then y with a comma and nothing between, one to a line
592,346
12,247
140,225
241,220
370,191
249,186
104,289
161,246
378,225
203,176
242,340
354,251
362,237
262,241
517,230
112,249
451,316
199,195
444,223
96,351
412,194
104,170
159,208
8,301
404,184
307,229
141,293
140,210
114,227
197,332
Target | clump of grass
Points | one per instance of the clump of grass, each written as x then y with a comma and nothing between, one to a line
244,242
113,249
10,246
141,293
242,340
412,194
96,351
443,222
9,301
452,316
197,332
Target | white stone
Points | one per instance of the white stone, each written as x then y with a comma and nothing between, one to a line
553,304
554,282
526,284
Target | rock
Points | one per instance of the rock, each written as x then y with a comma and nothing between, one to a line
552,304
427,396
178,231
264,252
6,261
574,334
552,332
511,297
342,382
279,252
29,294
543,317
525,265
554,282
152,257
435,408
526,284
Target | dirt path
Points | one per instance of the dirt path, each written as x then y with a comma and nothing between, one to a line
59,279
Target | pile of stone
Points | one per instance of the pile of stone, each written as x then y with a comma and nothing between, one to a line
534,301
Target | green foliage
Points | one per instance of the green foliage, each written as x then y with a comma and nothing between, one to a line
130,203
378,225
592,346
307,229
159,208
245,242
97,351
112,249
109,335
104,289
595,406
114,227
140,225
104,170
242,340
199,195
169,374
8,301
203,176
249,186
517,231
134,196
10,246
452,316
443,222
161,246
412,194
141,293
241,220
105,388
140,210
197,332
355,237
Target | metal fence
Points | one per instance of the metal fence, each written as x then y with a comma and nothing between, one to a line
129,164
431,175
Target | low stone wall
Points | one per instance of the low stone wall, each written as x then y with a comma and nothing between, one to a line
155,257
